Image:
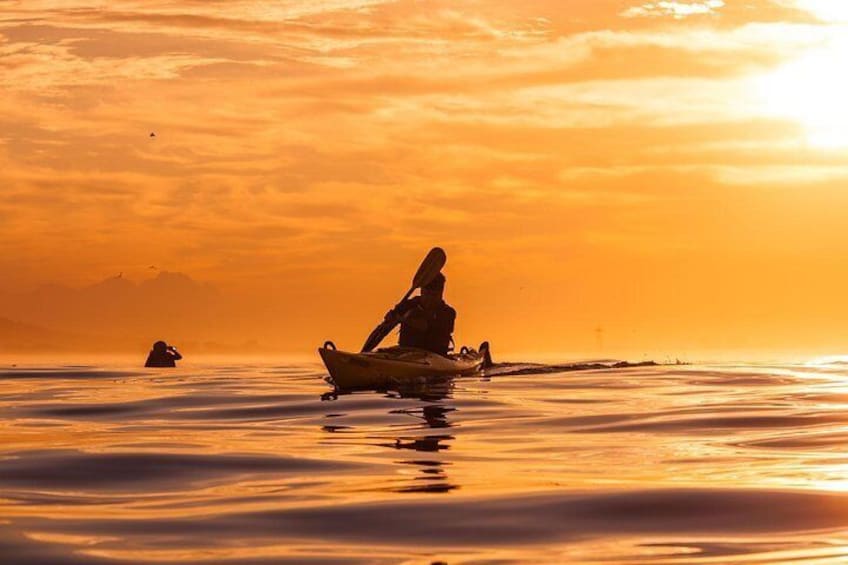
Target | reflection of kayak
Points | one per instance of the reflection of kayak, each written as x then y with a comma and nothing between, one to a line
392,365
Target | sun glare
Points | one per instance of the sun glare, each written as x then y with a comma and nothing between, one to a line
812,90
826,10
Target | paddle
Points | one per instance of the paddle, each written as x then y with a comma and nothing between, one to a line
430,267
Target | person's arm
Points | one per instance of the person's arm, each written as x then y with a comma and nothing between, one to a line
174,353
410,313
400,312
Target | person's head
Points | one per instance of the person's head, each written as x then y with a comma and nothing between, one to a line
160,347
432,292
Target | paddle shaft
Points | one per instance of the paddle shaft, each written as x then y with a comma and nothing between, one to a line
383,329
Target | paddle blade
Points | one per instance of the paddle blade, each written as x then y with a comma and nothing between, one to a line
430,267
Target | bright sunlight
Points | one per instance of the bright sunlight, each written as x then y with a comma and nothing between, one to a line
826,10
813,90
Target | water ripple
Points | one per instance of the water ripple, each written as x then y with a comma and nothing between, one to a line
257,464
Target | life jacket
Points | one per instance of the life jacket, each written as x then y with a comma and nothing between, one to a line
436,336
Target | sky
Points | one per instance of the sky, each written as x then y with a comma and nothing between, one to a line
608,177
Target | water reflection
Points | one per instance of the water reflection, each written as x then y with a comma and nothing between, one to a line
435,416
433,478
645,464
431,414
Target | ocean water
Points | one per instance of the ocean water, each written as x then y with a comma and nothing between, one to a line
241,463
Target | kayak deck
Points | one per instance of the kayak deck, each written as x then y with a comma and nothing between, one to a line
392,365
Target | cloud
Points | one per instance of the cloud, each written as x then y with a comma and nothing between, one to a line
677,10
300,141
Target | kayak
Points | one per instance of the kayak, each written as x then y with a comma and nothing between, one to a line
394,365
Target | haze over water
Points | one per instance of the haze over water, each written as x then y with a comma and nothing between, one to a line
247,463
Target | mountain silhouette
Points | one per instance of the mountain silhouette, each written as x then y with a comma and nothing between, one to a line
121,313
16,336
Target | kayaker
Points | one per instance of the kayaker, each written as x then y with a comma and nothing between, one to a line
163,355
426,321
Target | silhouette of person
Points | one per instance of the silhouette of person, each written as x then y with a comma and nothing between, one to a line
163,355
426,321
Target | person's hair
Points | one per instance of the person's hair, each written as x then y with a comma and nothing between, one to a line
437,284
160,346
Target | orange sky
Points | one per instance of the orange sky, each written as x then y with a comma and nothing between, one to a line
674,172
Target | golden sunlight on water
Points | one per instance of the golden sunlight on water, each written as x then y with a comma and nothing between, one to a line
244,463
